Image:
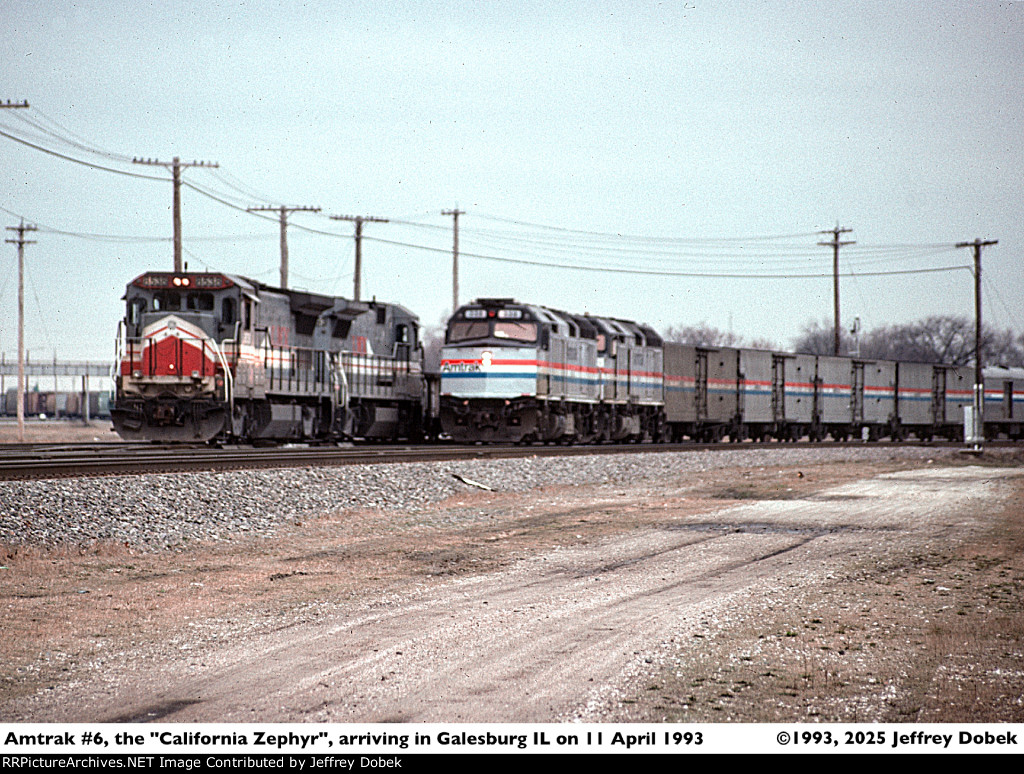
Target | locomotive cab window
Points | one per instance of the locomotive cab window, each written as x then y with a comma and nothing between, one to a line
168,301
200,302
227,311
467,331
516,331
136,307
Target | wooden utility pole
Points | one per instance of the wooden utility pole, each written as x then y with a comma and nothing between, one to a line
21,242
359,220
835,244
175,167
979,381
455,254
284,233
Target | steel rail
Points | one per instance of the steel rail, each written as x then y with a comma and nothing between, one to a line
66,461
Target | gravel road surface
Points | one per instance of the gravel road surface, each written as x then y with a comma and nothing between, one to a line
553,633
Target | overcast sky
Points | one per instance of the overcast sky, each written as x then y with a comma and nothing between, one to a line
695,130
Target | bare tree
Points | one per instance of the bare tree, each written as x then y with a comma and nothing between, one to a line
937,339
819,339
702,335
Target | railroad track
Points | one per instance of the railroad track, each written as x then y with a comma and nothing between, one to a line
35,461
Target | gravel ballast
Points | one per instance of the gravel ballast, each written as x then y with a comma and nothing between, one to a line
162,511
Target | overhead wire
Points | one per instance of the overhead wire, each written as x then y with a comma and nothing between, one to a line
82,162
553,245
652,272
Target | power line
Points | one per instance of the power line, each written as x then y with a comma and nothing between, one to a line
283,212
664,273
22,229
80,161
455,254
176,166
979,384
835,244
646,237
359,220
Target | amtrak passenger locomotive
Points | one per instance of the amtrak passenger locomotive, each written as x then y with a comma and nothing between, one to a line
515,372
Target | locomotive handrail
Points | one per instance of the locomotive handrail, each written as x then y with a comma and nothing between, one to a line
229,382
115,368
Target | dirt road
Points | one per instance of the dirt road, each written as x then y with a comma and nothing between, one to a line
562,603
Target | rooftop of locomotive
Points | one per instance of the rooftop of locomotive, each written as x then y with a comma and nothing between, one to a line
301,301
584,326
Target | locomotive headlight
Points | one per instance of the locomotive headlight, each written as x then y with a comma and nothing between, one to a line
136,374
486,359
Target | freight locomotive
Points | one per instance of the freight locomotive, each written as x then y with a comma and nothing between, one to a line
209,356
520,373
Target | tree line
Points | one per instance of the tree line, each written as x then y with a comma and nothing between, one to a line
938,339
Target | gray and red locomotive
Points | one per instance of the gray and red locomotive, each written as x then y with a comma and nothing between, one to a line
204,356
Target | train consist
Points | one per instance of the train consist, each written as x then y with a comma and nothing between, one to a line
211,357
520,373
208,356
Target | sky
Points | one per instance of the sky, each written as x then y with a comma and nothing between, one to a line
667,162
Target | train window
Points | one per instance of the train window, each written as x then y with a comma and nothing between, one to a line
247,314
464,331
167,302
200,302
304,324
515,331
227,311
135,309
341,328
382,315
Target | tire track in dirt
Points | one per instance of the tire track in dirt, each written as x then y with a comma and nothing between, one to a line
539,641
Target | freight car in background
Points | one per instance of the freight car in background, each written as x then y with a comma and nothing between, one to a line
518,372
56,404
207,356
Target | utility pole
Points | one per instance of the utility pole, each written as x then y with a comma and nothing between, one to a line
835,244
455,254
284,235
21,242
175,167
979,382
359,220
